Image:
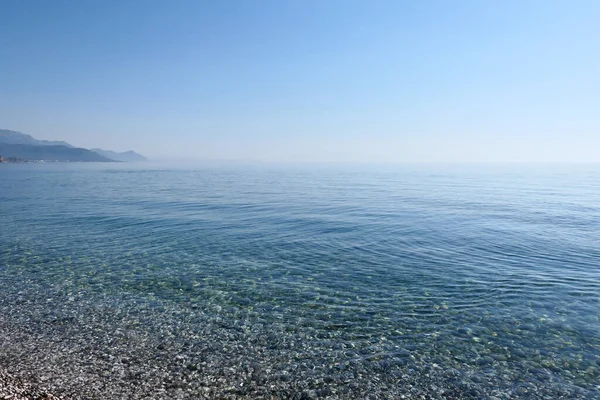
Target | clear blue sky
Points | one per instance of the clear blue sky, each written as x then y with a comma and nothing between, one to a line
327,80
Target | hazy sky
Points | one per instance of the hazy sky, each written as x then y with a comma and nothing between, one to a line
301,80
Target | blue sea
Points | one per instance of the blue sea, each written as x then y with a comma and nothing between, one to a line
123,281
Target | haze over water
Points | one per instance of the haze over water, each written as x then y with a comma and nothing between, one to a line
423,281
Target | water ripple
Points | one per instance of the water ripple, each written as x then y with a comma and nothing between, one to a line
332,283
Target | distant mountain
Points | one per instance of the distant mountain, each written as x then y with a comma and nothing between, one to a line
14,137
49,153
19,145
127,156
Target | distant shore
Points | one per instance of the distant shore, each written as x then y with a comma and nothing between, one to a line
12,160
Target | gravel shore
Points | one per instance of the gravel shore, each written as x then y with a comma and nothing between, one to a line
13,388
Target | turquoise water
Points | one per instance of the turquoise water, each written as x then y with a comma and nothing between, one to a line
442,282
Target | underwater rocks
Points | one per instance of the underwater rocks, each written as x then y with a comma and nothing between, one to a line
14,388
120,346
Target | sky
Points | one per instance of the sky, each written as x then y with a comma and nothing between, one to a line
307,81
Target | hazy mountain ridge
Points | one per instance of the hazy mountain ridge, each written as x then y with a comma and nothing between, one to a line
126,156
19,145
50,153
14,137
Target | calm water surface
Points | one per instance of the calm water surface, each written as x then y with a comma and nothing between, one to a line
442,282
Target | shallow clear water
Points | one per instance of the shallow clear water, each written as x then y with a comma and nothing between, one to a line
147,281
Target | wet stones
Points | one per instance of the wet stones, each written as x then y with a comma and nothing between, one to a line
13,388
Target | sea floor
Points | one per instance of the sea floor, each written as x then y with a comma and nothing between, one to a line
81,346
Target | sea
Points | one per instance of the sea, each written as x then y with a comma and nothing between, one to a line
323,281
